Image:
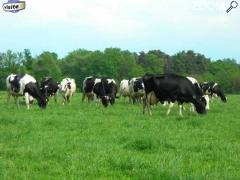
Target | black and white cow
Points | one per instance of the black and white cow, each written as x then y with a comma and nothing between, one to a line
67,88
104,89
213,89
88,85
172,88
49,87
25,85
136,89
111,89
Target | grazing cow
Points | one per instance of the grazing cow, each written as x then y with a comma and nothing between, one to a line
105,90
67,88
49,87
111,89
88,85
171,88
124,88
25,85
212,88
136,89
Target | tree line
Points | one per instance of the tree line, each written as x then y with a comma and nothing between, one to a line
120,64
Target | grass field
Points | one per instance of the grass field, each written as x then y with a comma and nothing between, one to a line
85,141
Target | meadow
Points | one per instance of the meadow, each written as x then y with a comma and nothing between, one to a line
85,141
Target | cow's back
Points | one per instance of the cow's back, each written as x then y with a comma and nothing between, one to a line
168,86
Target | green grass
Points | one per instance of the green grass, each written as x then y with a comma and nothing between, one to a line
85,141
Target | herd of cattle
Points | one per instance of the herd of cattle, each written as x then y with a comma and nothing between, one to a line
151,89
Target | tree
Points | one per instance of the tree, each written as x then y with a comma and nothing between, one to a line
46,64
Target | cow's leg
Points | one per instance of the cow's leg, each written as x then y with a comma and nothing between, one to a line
165,103
26,95
96,100
83,97
146,105
192,108
207,100
70,97
16,101
90,98
64,99
180,108
170,106
55,97
8,97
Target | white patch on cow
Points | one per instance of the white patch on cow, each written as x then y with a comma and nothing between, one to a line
111,81
215,85
11,77
206,97
97,80
26,79
193,80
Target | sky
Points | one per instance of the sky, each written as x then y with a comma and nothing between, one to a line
62,26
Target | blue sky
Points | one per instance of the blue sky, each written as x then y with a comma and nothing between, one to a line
136,25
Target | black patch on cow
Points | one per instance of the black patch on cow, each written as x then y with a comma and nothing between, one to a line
138,85
69,85
15,83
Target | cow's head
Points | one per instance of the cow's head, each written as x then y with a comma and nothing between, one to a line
200,105
42,102
219,92
64,87
105,100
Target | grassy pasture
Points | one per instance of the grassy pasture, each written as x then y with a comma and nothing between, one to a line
85,141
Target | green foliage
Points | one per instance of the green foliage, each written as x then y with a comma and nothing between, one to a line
120,64
46,64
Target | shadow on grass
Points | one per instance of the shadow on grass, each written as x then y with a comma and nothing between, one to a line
148,144
136,169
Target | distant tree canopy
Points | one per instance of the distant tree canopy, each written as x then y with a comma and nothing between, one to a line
119,64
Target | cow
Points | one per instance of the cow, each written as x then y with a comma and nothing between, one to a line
136,89
172,88
67,88
88,85
124,88
213,89
105,89
111,89
25,85
49,87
